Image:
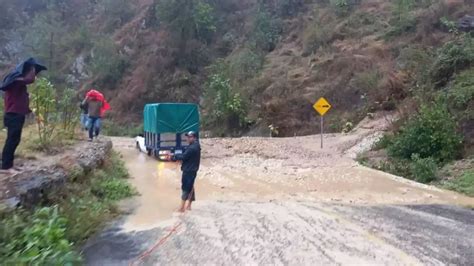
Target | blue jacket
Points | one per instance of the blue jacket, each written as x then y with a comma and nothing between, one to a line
20,71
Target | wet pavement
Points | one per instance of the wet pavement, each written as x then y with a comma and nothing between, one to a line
259,205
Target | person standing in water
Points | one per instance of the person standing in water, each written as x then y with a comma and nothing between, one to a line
17,106
191,160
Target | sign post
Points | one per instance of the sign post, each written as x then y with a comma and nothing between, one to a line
322,106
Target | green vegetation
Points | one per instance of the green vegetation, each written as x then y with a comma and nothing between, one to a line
38,239
56,114
451,58
423,169
52,235
44,108
431,133
188,19
266,30
463,184
228,109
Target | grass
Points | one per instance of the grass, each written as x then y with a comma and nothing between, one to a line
52,234
463,184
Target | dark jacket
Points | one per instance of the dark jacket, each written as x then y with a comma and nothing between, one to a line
20,71
84,107
17,99
191,158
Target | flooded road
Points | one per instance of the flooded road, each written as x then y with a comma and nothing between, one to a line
284,201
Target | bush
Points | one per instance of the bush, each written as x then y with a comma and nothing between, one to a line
69,113
44,108
37,240
403,20
112,188
224,107
188,19
204,20
431,133
423,169
452,57
462,90
266,31
245,65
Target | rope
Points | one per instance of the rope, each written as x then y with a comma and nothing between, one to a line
162,240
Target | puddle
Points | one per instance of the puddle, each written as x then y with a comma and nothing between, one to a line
159,185
240,179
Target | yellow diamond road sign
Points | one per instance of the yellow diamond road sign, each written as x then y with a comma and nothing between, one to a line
322,106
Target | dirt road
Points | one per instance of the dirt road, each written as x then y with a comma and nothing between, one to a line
286,201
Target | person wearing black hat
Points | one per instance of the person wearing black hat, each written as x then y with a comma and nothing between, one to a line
17,106
191,159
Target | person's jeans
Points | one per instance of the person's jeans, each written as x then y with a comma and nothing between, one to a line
84,120
14,124
94,126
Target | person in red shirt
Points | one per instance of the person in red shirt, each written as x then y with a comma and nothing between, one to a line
17,103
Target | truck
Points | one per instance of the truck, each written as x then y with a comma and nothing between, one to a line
165,125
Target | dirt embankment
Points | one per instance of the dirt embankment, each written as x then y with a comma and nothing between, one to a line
42,173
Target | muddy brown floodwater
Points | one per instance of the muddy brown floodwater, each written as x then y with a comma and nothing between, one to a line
286,202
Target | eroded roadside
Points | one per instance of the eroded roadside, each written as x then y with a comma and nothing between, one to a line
285,201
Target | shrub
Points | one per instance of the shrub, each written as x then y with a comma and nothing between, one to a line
69,113
431,133
423,169
39,241
44,108
414,61
204,20
403,20
452,57
266,31
224,107
462,90
188,19
245,65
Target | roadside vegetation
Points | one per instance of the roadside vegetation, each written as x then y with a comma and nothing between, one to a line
435,131
53,233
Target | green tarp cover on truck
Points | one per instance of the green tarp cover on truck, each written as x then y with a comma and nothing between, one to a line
171,118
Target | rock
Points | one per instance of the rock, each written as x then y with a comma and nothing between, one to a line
466,23
32,186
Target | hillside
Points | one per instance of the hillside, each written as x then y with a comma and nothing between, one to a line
249,64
